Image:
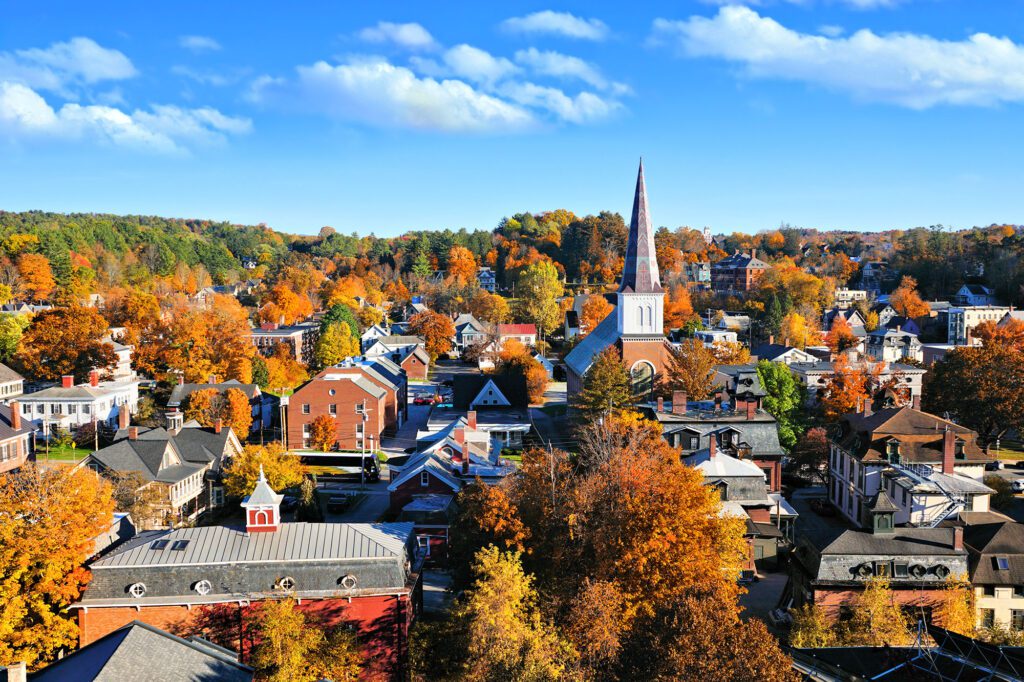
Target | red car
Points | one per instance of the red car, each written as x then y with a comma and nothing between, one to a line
422,400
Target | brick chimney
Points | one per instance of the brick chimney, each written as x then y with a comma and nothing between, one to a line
460,438
751,409
212,379
865,406
678,402
181,379
94,377
753,253
958,538
661,404
124,417
218,425
471,420
133,433
948,451
67,381
916,402
15,415
712,446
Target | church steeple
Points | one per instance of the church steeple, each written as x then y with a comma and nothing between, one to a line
640,275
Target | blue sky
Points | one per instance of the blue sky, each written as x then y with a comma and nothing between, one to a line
382,117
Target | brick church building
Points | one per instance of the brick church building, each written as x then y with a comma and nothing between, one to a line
636,326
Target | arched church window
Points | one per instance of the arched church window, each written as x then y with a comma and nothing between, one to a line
650,317
642,377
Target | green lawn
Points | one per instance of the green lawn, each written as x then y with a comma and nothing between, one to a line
1009,450
62,454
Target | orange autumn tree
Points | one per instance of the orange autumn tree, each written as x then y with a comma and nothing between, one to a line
282,304
199,342
906,301
436,329
1009,333
840,337
461,265
515,359
231,407
36,276
678,308
63,341
51,518
845,390
593,312
488,307
236,412
323,433
283,370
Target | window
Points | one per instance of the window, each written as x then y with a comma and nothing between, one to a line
331,392
1002,563
958,450
882,569
988,590
1017,619
424,479
86,409
333,408
286,583
360,408
988,618
203,587
1018,590
899,570
893,450
137,590
305,408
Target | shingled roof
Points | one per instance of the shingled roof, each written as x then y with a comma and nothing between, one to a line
640,274
997,553
920,436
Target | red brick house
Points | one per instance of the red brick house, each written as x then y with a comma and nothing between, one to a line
15,438
366,397
416,363
738,272
358,406
185,579
407,351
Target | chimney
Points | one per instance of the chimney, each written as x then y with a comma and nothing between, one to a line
15,672
661,404
753,253
471,420
94,377
712,446
124,417
678,402
67,381
218,425
948,451
133,433
771,339
15,415
212,379
460,438
916,403
181,379
751,409
958,538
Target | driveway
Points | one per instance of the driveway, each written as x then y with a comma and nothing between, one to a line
436,597
406,436
763,595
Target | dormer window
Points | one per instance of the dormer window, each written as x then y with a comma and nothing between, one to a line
958,450
892,449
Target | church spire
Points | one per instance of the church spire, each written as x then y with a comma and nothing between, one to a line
640,274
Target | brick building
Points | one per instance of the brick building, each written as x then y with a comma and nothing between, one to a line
301,338
15,438
738,272
366,398
366,575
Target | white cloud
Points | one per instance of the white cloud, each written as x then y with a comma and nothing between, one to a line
566,67
79,61
199,43
585,107
24,113
381,94
831,30
466,61
558,23
907,69
409,36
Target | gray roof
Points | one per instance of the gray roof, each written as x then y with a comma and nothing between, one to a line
991,541
197,448
640,272
582,356
182,391
6,430
760,433
8,375
396,340
902,541
139,652
290,542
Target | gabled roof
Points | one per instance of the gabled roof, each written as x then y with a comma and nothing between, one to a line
180,392
604,334
434,465
466,388
467,320
8,375
517,329
920,435
883,504
739,260
6,430
771,351
140,651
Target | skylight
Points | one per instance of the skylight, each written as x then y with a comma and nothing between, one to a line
179,545
1003,563
159,544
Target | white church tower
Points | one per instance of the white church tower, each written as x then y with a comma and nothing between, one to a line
641,300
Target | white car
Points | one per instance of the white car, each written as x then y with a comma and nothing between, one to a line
1017,485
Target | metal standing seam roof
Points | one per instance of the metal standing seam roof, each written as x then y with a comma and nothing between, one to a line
604,335
290,542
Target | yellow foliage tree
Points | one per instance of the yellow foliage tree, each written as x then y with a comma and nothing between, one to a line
335,344
281,469
796,331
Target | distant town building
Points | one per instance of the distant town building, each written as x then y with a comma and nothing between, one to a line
69,406
301,338
486,279
737,273
894,345
974,295
844,298
962,320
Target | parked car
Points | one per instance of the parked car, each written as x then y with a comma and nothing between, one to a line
1018,485
994,465
289,503
337,504
422,400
